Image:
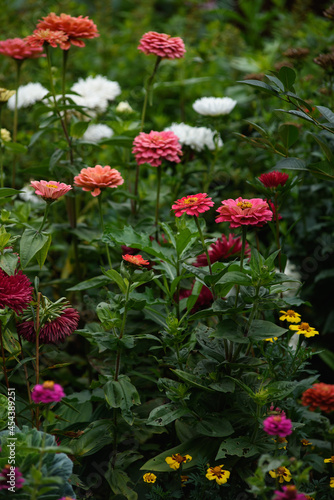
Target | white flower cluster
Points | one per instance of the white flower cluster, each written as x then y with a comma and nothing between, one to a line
214,106
5,135
95,92
197,138
27,95
95,133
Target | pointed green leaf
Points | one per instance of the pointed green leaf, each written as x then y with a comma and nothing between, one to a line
287,77
30,244
289,134
43,252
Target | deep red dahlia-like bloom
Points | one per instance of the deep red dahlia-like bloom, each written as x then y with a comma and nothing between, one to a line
136,260
54,331
162,45
154,147
74,28
273,179
242,212
94,179
289,493
193,204
204,300
50,190
272,208
277,425
222,250
53,38
18,48
15,291
8,473
49,392
319,396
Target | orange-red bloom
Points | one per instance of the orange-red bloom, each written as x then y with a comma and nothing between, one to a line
319,396
53,38
162,45
193,204
136,260
18,48
50,190
96,178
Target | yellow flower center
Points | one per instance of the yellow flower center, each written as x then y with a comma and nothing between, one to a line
216,471
304,326
244,204
48,384
290,312
193,199
53,186
280,471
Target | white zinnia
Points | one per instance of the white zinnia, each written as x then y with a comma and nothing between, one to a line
214,106
124,107
196,137
95,92
95,133
27,95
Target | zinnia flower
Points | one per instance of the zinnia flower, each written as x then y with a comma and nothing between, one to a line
197,138
19,49
154,147
8,473
277,425
192,205
162,45
95,92
304,329
53,38
282,473
50,190
49,392
290,316
329,460
96,133
27,95
320,396
289,493
96,178
75,28
214,106
273,179
176,460
242,212
222,250
136,260
221,476
305,442
15,291
149,477
271,339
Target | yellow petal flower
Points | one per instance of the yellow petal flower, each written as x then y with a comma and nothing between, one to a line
218,474
290,316
149,477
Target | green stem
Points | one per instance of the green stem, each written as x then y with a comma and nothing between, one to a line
157,203
205,251
63,79
277,232
243,245
37,351
47,208
211,170
1,152
3,359
102,227
15,120
118,359
178,289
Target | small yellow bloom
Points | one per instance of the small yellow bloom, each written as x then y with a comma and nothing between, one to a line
271,339
304,329
290,316
331,482
5,94
221,476
305,442
329,460
149,477
176,460
282,473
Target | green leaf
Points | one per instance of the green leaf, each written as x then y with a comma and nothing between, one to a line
291,164
91,283
289,134
261,85
118,481
116,278
261,329
301,114
230,330
327,113
236,277
8,262
165,414
214,426
183,240
4,192
30,244
96,436
78,129
258,128
122,394
43,252
120,140
14,147
55,157
327,357
191,379
240,447
192,299
287,77
324,146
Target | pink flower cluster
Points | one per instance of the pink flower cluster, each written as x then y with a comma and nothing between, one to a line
162,45
277,425
49,392
154,147
19,49
94,179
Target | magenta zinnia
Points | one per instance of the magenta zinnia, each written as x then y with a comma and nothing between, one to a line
162,45
7,475
273,179
289,493
155,147
15,291
193,204
49,392
277,425
222,250
242,212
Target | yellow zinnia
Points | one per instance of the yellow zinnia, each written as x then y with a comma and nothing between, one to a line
149,477
304,329
282,473
329,460
331,482
290,316
176,460
221,476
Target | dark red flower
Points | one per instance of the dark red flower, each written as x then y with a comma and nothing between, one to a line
54,331
15,291
319,396
273,179
204,300
222,250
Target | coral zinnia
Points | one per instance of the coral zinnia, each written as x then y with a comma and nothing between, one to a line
18,48
176,460
154,147
242,212
15,291
223,249
75,28
289,493
50,190
221,476
136,260
49,392
304,329
273,179
162,45
277,425
320,396
7,475
53,38
193,204
96,178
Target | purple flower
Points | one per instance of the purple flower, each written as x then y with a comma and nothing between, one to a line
277,425
10,476
289,493
49,392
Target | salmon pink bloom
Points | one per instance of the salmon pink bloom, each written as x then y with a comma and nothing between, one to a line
136,260
53,38
193,204
222,250
19,49
319,396
242,212
50,190
97,178
273,179
49,392
74,28
15,291
154,147
162,45
277,425
289,493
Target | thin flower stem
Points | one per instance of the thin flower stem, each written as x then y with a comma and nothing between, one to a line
177,291
3,359
26,377
118,359
15,119
244,233
37,351
211,170
206,252
63,79
277,232
45,216
1,152
102,227
157,203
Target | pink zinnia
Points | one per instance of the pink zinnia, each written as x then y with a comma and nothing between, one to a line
289,493
96,178
73,27
154,147
53,38
50,190
18,48
242,212
49,392
15,291
54,331
7,474
222,250
277,425
162,45
193,204
273,179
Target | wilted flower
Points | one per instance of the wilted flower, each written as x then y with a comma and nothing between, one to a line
95,92
282,473
53,38
6,476
277,425
289,493
5,135
136,260
197,138
149,477
222,250
5,95
320,396
96,133
326,61
162,45
193,204
218,474
304,329
241,212
214,106
27,95
296,53
176,460
49,392
15,291
155,147
124,107
290,316
19,49
96,178
50,190
273,179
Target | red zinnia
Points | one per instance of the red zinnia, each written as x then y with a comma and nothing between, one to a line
74,28
162,45
136,260
53,38
96,178
242,212
223,249
15,291
193,204
319,396
273,179
54,331
154,147
18,48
